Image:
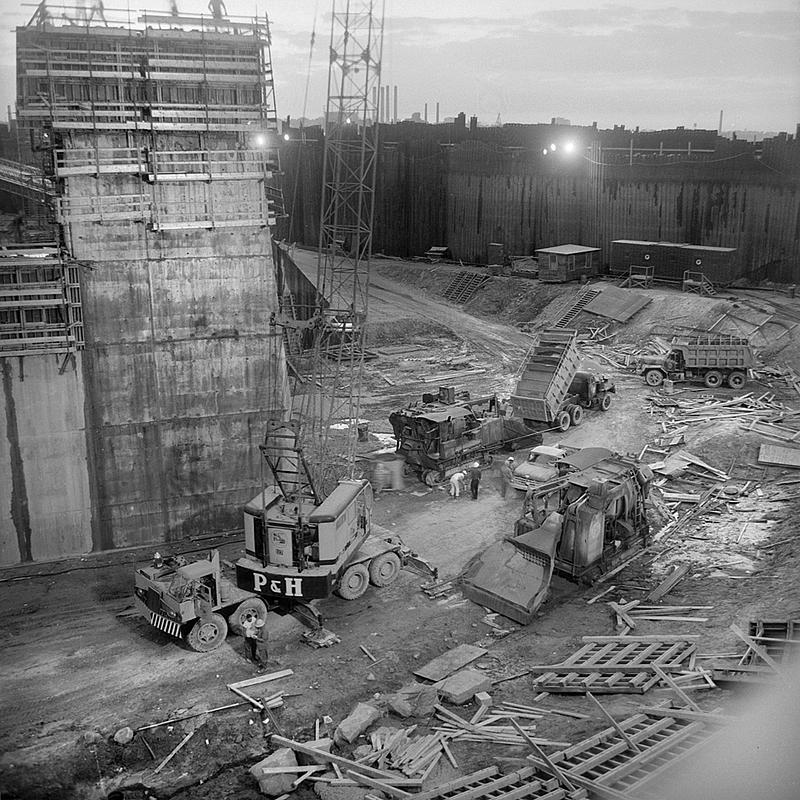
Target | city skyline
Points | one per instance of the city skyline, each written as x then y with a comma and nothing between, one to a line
656,65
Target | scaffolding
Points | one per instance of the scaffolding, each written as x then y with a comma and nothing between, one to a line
178,108
40,301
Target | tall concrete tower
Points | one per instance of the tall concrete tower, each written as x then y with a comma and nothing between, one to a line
143,424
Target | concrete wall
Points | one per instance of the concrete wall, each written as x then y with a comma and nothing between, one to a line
179,382
45,506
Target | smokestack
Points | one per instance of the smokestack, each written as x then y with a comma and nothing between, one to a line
375,97
426,112
719,130
396,116
437,112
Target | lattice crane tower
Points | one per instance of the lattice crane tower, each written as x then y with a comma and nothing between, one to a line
331,394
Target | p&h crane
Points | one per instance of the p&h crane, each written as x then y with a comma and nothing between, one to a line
309,531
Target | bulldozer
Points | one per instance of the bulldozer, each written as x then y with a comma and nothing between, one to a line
578,526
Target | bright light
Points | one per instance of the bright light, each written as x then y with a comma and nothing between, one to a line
569,147
545,151
349,121
286,137
260,140
553,147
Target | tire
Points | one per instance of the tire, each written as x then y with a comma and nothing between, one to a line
737,380
654,377
384,569
605,402
563,421
575,415
251,608
354,582
207,633
431,477
713,379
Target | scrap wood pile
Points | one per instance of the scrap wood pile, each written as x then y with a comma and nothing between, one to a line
496,725
396,748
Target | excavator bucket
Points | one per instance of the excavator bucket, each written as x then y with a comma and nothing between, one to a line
512,577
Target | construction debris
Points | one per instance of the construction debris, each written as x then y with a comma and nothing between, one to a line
359,719
612,664
462,686
449,662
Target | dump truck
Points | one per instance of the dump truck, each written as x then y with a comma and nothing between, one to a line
712,360
449,430
286,567
579,526
552,393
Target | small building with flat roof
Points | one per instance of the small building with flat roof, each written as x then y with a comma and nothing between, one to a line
567,262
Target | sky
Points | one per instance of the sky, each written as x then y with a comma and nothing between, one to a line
650,63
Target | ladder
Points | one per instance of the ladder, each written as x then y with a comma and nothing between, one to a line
581,301
697,283
463,286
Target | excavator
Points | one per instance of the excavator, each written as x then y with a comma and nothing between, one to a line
578,525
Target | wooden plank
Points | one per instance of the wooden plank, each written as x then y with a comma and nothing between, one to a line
175,750
272,676
620,730
675,688
757,649
323,756
366,780
772,454
447,663
669,582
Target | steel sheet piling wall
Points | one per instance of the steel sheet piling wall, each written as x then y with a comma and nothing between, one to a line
469,193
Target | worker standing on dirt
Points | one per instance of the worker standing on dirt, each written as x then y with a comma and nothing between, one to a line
457,484
255,641
506,474
474,479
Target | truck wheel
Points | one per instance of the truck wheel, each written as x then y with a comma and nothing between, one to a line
252,608
575,415
737,380
563,421
654,377
384,569
713,379
432,477
207,633
605,402
354,582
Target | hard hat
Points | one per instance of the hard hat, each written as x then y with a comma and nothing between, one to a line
510,458
476,464
259,623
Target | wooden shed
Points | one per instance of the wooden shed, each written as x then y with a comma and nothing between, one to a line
567,262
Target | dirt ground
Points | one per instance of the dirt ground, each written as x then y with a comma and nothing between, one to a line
77,666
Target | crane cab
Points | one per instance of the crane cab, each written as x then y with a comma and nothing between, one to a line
296,549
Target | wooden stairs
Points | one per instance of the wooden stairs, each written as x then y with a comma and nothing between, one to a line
463,286
581,301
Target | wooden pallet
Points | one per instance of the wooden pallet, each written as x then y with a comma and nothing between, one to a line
629,758
489,783
780,639
463,286
611,664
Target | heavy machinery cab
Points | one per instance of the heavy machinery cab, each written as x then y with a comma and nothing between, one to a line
296,549
602,508
444,433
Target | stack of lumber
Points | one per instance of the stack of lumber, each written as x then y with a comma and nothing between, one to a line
494,726
439,589
398,750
